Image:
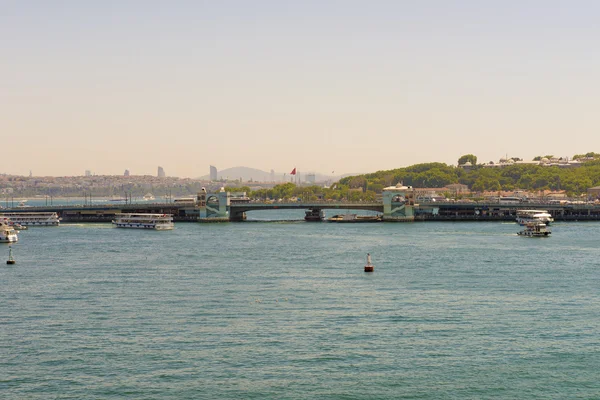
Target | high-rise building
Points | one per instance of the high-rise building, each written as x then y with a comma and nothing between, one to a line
311,178
213,173
161,172
272,176
88,172
126,173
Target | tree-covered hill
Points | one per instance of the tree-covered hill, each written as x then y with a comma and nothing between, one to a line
479,178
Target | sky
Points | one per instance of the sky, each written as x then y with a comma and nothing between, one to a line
345,86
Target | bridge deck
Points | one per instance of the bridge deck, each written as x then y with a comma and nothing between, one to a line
434,211
244,207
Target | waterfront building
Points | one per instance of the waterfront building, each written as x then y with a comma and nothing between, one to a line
593,193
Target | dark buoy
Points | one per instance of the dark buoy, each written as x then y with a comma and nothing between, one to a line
11,260
369,267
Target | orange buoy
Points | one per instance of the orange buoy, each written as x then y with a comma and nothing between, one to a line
369,267
11,260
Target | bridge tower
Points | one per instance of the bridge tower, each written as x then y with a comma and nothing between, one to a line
213,207
398,203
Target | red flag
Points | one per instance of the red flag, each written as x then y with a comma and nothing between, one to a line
293,171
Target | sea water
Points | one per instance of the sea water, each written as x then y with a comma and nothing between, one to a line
283,310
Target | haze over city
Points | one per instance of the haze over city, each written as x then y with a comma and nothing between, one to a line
342,86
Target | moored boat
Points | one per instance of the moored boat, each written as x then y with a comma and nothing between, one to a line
314,215
535,229
160,222
355,218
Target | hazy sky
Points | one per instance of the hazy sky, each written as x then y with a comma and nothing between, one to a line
345,86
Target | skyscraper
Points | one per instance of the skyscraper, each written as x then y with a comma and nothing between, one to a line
213,173
272,175
126,173
161,172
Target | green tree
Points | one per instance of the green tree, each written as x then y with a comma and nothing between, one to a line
467,157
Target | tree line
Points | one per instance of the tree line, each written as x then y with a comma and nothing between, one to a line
479,178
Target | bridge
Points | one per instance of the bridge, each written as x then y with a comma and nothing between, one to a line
397,204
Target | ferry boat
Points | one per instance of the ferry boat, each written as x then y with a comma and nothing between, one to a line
160,222
32,218
355,218
8,234
149,197
314,215
535,229
525,216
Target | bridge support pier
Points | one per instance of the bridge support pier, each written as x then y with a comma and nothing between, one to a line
237,217
213,207
398,203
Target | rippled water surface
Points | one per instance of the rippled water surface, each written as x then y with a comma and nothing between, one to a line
283,310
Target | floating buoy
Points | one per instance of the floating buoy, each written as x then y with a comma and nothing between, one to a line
11,260
369,267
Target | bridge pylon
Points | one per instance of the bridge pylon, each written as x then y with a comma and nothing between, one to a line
213,207
398,203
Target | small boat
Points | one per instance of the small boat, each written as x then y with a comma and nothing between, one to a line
149,197
535,229
314,215
355,218
369,267
8,234
17,226
159,222
10,260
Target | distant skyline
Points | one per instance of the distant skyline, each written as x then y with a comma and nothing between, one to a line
344,86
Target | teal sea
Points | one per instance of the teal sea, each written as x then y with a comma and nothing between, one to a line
283,310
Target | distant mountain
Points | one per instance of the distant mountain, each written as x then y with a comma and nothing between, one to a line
258,175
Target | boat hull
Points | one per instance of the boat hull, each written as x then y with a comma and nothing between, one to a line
144,226
534,234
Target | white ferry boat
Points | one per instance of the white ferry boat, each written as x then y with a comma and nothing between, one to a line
535,229
8,234
159,222
32,218
149,197
526,216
